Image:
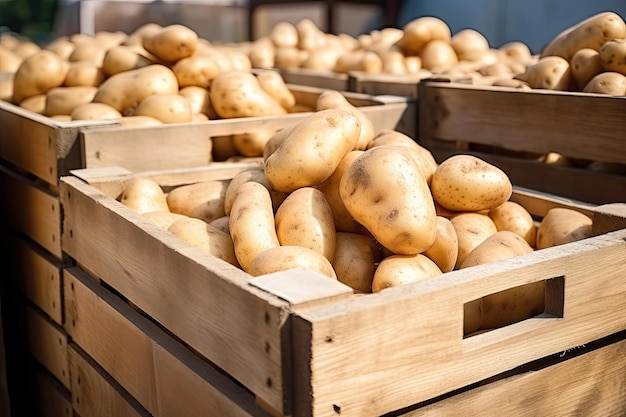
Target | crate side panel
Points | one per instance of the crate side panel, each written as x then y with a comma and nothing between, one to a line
315,78
48,344
33,211
54,400
204,301
592,384
96,394
409,341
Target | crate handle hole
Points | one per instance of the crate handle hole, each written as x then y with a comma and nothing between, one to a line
540,299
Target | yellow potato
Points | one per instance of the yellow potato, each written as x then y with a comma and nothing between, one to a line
562,225
467,183
125,90
197,70
139,121
398,270
89,52
36,104
501,245
203,200
163,218
592,33
438,55
613,56
9,60
445,248
123,58
63,100
550,72
251,224
273,83
283,258
62,47
471,230
585,65
305,219
355,260
171,43
208,238
514,217
168,108
95,111
221,223
255,174
144,195
385,191
312,149
418,32
84,73
37,74
516,50
252,144
284,34
469,45
611,83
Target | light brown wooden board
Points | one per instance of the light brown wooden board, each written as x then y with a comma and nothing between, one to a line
381,352
31,210
316,78
163,375
590,385
94,393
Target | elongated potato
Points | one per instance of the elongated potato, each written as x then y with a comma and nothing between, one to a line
471,230
562,225
171,43
592,33
123,58
283,258
312,149
609,82
95,111
585,65
550,72
501,245
332,99
418,32
202,235
398,270
251,223
274,84
305,219
203,200
356,259
445,248
385,191
253,174
144,195
37,74
168,108
63,100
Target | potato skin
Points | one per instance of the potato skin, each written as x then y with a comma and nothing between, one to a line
610,83
282,258
471,230
37,74
514,217
206,237
95,111
585,65
445,248
144,195
562,225
550,72
203,200
385,191
418,32
613,56
398,270
500,245
467,183
63,100
171,43
356,259
252,211
168,108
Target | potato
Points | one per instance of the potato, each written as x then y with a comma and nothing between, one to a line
273,84
385,191
163,218
343,220
255,174
9,60
310,36
252,144
6,88
168,108
613,56
438,55
418,32
252,226
208,238
312,149
284,34
592,33
585,65
611,83
84,73
562,225
398,270
355,261
203,200
262,53
110,40
394,63
144,195
445,248
95,111
305,219
323,58
471,230
123,58
283,258
199,100
38,74
36,104
286,57
469,45
467,183
197,70
550,72
26,49
514,217
516,50
171,43
221,223
239,94
62,47
63,100
501,245
138,121
89,52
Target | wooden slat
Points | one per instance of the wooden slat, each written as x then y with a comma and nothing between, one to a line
32,210
375,354
592,384
48,344
37,274
316,78
95,394
164,376
53,399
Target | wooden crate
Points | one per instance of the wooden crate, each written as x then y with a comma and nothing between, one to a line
49,149
326,351
316,78
510,128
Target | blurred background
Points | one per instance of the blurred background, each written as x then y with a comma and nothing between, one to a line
500,21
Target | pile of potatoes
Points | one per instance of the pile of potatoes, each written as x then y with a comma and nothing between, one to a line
589,57
424,47
155,75
372,212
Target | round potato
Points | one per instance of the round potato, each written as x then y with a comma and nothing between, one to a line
418,32
197,70
171,43
610,83
467,183
471,230
203,200
208,238
283,258
284,34
312,149
355,261
514,217
305,219
37,74
144,195
445,248
123,58
199,100
613,56
168,108
585,65
36,104
385,191
469,45
562,225
63,100
398,270
438,55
